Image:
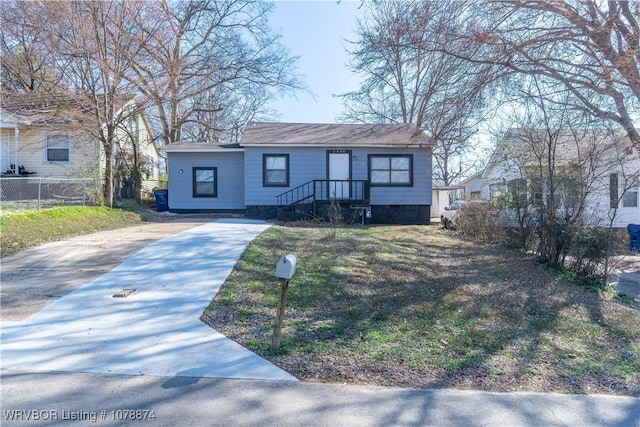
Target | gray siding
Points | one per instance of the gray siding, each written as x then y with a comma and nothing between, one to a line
419,194
230,180
307,164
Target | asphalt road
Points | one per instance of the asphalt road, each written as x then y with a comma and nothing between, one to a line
181,401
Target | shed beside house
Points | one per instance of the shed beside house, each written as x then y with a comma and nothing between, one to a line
442,198
284,168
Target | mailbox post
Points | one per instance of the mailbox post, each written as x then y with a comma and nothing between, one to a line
285,269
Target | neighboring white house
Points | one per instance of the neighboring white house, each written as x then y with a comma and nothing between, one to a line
607,167
54,136
470,188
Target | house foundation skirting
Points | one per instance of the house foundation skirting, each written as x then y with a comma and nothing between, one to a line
207,211
401,214
261,211
380,214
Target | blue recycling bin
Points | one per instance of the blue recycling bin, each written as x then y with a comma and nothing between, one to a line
634,237
162,200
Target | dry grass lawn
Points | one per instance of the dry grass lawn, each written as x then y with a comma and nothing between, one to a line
417,306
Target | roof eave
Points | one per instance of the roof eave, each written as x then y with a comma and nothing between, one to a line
341,146
170,149
9,120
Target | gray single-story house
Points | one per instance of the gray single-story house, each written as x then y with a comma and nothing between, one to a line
381,172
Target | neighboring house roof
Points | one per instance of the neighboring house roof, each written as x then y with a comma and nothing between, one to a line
322,134
447,187
522,146
11,120
472,179
52,108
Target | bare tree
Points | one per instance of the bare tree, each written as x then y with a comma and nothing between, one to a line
589,48
227,112
206,65
26,64
558,175
92,42
194,50
408,78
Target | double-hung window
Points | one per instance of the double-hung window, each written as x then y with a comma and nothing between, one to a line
497,190
275,170
57,147
630,198
205,182
391,170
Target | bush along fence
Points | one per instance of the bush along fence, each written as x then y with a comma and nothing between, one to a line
38,193
582,248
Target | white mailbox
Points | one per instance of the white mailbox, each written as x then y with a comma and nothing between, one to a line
286,267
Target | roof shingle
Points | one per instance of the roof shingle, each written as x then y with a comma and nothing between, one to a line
53,108
322,134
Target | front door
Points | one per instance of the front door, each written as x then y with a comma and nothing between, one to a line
339,174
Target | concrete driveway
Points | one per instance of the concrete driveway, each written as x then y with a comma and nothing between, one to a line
627,276
35,277
154,331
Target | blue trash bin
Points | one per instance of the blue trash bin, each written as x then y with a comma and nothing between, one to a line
634,237
162,200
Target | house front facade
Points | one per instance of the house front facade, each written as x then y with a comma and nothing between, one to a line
604,168
54,136
381,172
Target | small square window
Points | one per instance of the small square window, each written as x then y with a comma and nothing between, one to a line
205,182
275,170
496,191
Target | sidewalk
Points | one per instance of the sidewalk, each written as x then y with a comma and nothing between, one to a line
156,330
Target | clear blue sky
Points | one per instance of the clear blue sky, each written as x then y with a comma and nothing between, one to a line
316,32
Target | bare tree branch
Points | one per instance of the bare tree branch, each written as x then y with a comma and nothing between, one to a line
408,78
591,48
194,50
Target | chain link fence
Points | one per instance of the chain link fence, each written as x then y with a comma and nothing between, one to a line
38,193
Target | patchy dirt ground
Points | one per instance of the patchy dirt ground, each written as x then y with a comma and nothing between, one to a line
415,307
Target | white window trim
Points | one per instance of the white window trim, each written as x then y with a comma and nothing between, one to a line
46,135
632,189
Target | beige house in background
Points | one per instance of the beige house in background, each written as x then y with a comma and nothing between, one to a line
54,136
